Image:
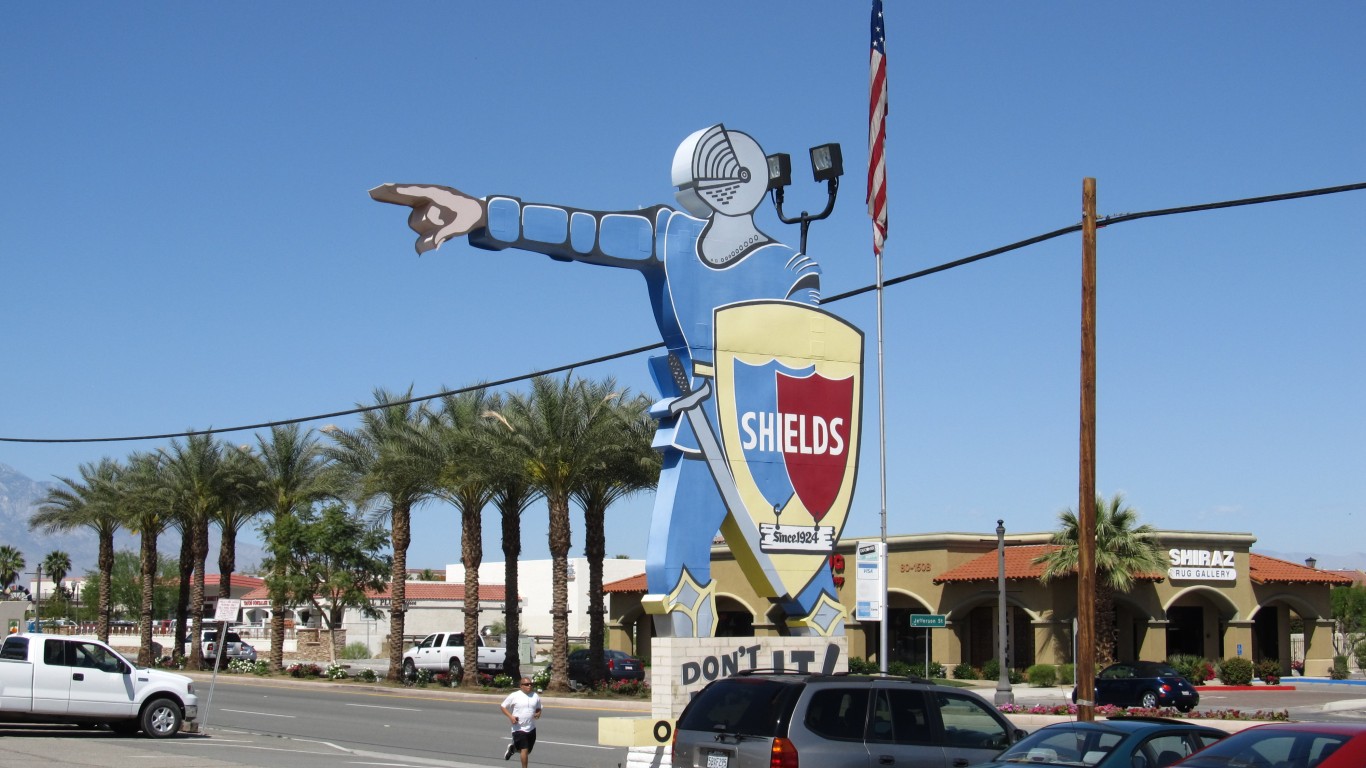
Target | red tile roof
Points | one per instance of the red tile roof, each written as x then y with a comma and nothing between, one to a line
1269,570
1019,565
235,581
629,584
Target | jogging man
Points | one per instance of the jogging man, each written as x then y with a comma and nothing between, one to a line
523,709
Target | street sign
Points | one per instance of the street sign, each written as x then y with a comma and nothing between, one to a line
227,610
927,620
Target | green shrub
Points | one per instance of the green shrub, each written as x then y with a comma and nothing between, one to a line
541,680
1360,653
860,666
367,675
1269,670
503,681
1042,675
1016,676
964,671
1235,671
1193,668
991,670
937,670
356,651
902,669
1340,670
1067,674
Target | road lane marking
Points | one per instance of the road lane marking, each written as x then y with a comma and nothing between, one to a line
377,706
249,712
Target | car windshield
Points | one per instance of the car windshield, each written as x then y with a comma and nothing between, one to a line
740,706
1062,746
1268,747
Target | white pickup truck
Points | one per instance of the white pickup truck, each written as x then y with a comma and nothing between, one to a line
72,679
445,652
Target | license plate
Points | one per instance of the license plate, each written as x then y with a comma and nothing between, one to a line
1185,693
717,760
628,667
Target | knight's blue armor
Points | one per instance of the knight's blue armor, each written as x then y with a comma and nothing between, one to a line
664,245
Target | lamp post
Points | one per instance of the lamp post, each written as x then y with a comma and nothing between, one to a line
827,165
1003,693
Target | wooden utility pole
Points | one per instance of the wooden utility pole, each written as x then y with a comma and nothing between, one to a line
1086,485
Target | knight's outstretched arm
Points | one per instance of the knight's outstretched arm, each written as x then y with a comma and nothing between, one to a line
620,239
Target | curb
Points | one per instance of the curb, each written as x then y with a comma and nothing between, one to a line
435,692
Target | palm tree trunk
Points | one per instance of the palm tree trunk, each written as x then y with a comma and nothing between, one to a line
472,556
182,611
106,562
200,554
595,549
397,587
147,572
1107,632
512,618
559,600
227,561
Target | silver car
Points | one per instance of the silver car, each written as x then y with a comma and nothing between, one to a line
762,720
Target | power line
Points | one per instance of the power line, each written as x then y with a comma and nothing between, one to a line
1103,222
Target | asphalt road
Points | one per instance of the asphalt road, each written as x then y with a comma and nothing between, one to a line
256,723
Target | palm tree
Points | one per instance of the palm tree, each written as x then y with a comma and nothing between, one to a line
457,435
295,476
558,432
198,477
11,565
512,494
1125,551
147,510
243,501
57,564
86,503
627,464
386,474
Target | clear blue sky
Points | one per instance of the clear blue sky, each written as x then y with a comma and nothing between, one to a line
186,239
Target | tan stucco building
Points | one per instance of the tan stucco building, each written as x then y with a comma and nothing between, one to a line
1217,599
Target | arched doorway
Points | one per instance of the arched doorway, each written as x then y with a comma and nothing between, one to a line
981,639
733,619
1197,620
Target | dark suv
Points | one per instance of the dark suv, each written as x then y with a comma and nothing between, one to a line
758,720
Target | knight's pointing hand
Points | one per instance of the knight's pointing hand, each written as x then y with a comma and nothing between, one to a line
439,213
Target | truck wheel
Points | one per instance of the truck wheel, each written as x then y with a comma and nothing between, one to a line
161,718
457,671
409,669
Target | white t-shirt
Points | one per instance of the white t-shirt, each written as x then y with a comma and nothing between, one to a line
524,708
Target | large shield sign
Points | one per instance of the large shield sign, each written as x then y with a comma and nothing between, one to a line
789,383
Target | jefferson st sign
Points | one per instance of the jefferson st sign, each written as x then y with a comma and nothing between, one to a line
927,620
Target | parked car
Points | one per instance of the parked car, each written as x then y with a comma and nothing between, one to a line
620,665
73,679
1129,742
1287,745
233,647
445,652
754,720
1147,684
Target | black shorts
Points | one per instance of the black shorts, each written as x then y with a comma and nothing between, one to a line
523,740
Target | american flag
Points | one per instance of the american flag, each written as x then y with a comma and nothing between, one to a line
877,130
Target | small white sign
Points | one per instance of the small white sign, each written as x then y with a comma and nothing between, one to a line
227,609
796,538
1202,574
870,586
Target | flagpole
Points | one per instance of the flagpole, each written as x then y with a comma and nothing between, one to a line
877,209
882,477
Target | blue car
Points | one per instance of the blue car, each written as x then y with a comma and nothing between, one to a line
1128,742
1147,684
